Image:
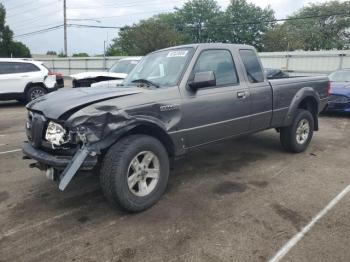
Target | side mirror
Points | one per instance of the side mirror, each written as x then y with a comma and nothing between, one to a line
203,80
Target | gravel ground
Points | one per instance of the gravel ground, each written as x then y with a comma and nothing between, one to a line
240,200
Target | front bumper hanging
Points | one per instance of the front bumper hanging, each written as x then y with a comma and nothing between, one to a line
82,160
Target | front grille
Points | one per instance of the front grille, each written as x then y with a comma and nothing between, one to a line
35,128
338,99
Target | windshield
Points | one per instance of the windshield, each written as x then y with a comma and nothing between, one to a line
124,66
162,68
340,76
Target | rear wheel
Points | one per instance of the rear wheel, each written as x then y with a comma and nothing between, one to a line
297,137
134,172
34,92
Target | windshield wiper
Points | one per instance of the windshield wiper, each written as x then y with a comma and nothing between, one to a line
141,80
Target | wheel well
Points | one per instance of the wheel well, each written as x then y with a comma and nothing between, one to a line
310,104
33,84
156,132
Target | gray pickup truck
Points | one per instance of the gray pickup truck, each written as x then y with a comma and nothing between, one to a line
175,100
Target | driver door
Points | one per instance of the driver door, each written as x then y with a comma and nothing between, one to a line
219,111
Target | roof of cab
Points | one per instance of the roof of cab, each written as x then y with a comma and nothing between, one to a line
210,45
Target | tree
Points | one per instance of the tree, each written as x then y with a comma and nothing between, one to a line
80,55
314,27
51,53
197,20
244,23
146,36
61,54
9,47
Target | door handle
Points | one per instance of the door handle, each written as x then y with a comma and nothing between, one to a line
24,75
241,95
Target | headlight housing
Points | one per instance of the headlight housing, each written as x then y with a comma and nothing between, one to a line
55,134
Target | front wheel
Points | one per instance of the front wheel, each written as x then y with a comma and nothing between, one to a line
297,137
34,92
134,172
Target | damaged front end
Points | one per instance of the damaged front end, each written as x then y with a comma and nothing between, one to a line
58,151
62,148
71,131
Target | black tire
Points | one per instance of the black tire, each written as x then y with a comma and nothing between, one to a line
34,92
288,135
115,171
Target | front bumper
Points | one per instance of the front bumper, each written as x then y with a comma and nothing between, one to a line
57,162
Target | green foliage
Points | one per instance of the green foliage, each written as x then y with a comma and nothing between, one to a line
197,20
146,36
80,55
51,53
8,46
244,23
318,33
61,54
241,23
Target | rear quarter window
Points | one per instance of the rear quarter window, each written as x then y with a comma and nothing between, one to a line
17,67
26,68
252,66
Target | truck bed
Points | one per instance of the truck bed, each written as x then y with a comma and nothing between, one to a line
284,91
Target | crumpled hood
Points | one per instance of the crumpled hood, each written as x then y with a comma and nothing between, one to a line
86,75
55,104
340,88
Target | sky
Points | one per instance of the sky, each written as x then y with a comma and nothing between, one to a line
25,16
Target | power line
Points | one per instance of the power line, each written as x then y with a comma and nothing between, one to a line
28,27
94,26
129,4
139,13
20,5
53,28
33,20
31,9
231,24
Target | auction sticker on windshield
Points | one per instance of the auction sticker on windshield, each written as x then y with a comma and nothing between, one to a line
180,53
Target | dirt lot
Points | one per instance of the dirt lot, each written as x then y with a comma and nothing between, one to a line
241,200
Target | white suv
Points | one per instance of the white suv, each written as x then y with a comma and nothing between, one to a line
24,80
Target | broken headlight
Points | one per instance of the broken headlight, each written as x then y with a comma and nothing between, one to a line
56,134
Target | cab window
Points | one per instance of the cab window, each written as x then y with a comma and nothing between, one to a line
252,66
221,63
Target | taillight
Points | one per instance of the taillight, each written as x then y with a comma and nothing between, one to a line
329,88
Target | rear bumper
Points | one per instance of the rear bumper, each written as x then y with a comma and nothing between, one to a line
338,107
57,162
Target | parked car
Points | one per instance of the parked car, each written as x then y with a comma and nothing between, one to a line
25,80
174,101
339,100
110,83
275,73
117,72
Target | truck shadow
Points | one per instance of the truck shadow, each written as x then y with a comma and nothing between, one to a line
85,203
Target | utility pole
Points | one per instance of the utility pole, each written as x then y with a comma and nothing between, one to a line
65,26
